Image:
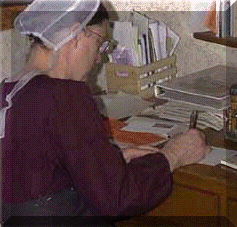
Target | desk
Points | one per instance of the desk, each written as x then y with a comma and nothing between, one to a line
201,190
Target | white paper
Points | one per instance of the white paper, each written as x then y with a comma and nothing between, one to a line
137,61
217,154
162,36
142,22
151,125
122,32
175,38
155,37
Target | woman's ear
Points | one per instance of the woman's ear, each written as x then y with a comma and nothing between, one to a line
76,30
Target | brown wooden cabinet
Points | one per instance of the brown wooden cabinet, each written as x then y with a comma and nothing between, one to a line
232,210
189,201
201,190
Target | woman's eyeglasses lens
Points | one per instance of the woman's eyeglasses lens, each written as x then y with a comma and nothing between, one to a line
107,46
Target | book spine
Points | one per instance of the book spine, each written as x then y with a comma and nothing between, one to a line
218,18
233,15
231,19
225,19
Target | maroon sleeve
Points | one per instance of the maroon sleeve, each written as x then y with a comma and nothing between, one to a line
97,167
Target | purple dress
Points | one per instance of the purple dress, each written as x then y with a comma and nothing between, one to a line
55,137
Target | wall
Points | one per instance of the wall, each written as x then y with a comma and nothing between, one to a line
13,49
192,54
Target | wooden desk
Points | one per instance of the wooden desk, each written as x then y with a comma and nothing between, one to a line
201,190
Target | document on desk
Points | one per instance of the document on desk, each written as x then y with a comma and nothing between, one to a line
217,154
155,126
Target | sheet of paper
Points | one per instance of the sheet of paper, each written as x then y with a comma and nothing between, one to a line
156,40
162,36
217,154
136,47
152,125
142,22
174,38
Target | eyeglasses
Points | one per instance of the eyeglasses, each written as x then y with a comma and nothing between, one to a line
107,45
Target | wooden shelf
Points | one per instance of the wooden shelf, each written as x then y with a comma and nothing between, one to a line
211,37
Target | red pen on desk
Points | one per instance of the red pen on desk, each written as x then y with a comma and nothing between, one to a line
193,119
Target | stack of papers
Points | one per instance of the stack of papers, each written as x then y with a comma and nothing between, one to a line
181,111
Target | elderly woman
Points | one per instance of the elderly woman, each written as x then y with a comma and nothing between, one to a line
57,159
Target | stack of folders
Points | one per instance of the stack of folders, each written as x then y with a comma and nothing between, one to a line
209,87
142,41
206,91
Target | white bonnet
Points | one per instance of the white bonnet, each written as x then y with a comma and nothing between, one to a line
51,20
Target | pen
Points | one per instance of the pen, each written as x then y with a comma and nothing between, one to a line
193,119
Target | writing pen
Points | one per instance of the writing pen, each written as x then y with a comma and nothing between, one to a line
193,119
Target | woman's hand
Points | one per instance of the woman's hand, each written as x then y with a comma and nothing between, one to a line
186,149
183,149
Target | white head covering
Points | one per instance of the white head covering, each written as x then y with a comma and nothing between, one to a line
51,20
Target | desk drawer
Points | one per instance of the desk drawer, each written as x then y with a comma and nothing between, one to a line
188,201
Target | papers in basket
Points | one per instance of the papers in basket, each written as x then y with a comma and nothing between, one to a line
142,40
